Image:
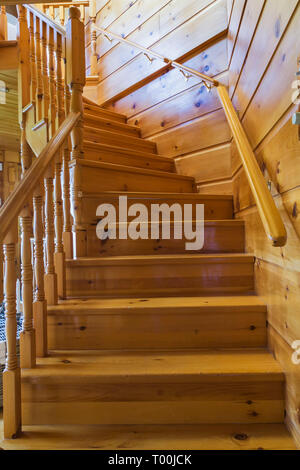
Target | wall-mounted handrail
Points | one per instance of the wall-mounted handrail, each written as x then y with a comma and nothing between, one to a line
18,198
269,214
156,55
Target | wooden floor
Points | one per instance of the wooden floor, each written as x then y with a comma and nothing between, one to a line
184,437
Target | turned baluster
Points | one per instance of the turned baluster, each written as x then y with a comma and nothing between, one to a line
11,374
38,57
27,338
50,274
24,75
82,13
76,81
3,23
52,85
62,15
59,79
67,228
51,12
33,87
40,304
1,273
59,255
45,78
94,57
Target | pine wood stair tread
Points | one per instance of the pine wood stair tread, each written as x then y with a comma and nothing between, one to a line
166,305
116,126
128,141
162,259
152,437
113,148
131,169
199,366
96,110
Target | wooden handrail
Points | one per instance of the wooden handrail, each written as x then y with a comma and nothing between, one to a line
267,209
19,197
167,61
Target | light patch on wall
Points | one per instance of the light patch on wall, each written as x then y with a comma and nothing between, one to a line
2,92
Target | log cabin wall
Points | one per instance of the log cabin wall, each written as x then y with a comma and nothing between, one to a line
263,45
186,122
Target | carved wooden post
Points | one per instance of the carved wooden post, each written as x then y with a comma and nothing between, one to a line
3,24
24,78
11,374
59,256
33,87
38,56
52,87
94,57
45,78
40,304
67,228
62,15
50,275
1,273
27,338
76,80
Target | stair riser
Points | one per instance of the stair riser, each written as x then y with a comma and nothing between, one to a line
156,330
88,402
115,280
117,140
123,180
128,160
107,125
213,209
217,239
104,114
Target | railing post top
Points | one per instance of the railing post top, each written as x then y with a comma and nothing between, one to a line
74,13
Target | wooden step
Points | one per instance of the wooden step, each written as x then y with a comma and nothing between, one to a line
159,275
100,123
158,323
116,139
92,108
220,236
215,207
112,177
143,387
120,156
149,437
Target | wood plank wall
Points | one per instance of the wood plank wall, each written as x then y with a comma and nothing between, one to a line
186,122
263,45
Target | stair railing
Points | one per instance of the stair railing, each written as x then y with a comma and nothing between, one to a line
59,12
269,214
52,76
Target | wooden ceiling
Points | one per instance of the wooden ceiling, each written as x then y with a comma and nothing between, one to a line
9,126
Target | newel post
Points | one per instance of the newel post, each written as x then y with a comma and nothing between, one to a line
75,52
3,23
11,374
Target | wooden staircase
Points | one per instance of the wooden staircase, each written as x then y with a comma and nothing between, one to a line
151,334
150,345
